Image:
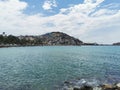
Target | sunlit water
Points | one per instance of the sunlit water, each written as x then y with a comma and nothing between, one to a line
47,67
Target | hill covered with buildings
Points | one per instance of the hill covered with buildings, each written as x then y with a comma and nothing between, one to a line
48,39
53,38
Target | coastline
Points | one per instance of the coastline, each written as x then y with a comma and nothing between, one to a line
7,46
48,39
93,84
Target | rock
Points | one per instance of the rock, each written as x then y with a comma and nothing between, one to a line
76,88
118,86
108,87
97,88
81,82
67,82
83,88
70,88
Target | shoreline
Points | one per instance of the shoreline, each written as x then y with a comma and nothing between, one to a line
84,84
7,46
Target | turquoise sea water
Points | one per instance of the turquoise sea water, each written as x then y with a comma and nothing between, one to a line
47,67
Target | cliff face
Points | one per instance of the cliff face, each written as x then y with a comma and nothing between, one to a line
59,38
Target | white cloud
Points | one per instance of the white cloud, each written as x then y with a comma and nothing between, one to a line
101,26
93,1
49,4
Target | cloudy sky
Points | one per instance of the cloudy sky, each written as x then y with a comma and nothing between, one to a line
89,20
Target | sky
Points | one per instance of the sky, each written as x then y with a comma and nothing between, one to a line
89,20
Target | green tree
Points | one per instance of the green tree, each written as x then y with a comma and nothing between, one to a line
12,40
1,39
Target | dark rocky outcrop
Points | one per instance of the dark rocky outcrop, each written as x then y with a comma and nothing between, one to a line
84,84
103,87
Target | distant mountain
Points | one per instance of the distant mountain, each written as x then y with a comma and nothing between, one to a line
59,38
53,38
118,43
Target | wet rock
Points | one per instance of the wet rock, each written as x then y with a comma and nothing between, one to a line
83,88
76,88
108,87
93,83
84,84
87,88
97,88
67,82
70,88
81,83
118,86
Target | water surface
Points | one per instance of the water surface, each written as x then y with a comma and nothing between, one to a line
47,67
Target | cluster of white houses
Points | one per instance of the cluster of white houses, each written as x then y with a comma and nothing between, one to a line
29,38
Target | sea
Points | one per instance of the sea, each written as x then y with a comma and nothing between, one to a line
48,67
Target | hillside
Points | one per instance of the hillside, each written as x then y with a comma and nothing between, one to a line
59,38
53,38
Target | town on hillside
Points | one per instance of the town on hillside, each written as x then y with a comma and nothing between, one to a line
48,39
53,38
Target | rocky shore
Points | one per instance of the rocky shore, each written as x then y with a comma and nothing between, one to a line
101,87
82,84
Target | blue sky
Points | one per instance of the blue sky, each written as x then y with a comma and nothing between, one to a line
89,20
35,6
